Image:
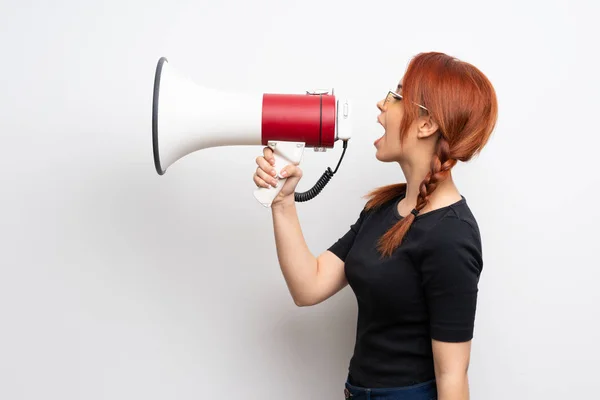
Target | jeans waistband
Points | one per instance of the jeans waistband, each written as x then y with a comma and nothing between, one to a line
424,390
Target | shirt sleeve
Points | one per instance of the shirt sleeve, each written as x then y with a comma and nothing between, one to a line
343,245
451,266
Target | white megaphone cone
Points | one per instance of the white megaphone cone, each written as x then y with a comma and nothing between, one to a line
187,117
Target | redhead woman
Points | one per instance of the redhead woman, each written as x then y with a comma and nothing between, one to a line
413,256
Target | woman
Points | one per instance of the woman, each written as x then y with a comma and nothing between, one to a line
414,256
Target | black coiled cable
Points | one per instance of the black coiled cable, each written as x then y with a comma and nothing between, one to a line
316,189
323,180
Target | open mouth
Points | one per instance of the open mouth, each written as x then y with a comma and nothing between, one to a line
382,135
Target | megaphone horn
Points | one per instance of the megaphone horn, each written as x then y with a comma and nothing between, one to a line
187,117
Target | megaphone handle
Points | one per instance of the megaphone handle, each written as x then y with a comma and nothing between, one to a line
285,153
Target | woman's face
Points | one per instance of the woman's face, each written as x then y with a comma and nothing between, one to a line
388,145
391,112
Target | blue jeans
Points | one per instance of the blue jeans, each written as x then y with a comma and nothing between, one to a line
422,391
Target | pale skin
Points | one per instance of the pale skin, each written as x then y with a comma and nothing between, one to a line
313,279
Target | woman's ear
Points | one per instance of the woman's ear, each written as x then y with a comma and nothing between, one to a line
426,127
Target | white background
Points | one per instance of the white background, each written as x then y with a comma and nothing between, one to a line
117,283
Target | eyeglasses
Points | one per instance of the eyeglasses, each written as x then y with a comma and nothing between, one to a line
393,95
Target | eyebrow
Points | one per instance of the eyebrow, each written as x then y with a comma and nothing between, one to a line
399,87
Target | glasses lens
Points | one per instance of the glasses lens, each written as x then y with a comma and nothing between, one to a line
392,96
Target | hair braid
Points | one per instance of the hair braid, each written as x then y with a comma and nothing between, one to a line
441,164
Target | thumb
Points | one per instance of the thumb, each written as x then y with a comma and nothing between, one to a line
291,171
293,174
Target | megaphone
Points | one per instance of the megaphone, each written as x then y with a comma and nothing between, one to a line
187,117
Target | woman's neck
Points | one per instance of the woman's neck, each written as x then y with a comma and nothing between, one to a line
446,192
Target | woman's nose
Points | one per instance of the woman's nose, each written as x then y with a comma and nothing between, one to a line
380,104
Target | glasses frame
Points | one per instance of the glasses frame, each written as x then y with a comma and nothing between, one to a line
398,96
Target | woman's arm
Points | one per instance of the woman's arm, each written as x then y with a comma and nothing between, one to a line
451,361
310,279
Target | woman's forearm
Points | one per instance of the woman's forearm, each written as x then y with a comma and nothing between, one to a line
298,264
453,386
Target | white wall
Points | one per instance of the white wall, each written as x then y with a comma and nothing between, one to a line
117,283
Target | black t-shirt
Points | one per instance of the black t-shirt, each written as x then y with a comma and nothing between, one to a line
426,290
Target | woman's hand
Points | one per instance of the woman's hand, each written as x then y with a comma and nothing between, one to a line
266,176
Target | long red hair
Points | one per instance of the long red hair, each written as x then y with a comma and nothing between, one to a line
461,99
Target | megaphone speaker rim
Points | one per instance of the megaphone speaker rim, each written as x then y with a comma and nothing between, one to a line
155,99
